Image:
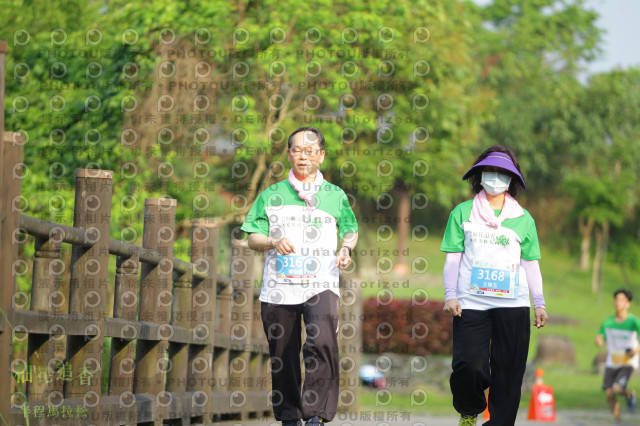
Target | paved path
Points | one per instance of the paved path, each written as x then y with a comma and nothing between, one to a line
564,418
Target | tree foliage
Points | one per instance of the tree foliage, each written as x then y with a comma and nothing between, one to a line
194,101
533,51
604,170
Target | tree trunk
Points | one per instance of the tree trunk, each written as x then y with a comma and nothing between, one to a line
586,227
602,241
595,273
404,215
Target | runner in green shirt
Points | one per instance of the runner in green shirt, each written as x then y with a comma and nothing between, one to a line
299,222
490,274
620,333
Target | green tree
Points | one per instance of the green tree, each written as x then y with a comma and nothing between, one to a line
533,51
392,85
64,92
604,165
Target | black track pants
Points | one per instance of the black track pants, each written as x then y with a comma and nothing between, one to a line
490,350
282,325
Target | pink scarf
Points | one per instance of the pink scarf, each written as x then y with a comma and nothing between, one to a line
483,214
306,190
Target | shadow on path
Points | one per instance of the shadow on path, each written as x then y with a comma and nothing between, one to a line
564,418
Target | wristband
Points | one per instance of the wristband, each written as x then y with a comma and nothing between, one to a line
348,248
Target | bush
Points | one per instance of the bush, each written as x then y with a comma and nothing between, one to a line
402,326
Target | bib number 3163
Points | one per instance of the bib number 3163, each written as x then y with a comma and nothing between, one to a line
494,279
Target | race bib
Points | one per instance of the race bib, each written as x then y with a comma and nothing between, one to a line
619,358
296,269
494,279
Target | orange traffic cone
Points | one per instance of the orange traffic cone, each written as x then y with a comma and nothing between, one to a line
542,406
486,414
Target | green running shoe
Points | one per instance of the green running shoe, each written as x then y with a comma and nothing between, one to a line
467,420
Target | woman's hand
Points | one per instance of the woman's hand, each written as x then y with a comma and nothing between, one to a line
541,317
452,306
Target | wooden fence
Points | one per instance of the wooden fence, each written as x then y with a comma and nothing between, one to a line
187,345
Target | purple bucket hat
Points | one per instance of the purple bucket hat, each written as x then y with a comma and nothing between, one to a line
497,159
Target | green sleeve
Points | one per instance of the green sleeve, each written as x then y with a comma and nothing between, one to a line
453,240
530,247
601,331
257,220
347,222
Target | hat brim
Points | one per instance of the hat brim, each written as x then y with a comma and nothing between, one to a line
499,160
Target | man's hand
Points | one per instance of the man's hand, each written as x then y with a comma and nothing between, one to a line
343,260
453,307
261,242
541,317
600,340
285,246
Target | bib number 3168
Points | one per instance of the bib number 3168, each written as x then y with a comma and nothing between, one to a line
494,279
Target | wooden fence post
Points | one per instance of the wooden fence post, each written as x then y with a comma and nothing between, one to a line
221,348
45,297
350,339
259,358
180,317
6,252
10,191
155,300
88,285
204,254
11,170
242,308
124,307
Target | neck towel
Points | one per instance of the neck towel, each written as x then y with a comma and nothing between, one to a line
483,214
306,190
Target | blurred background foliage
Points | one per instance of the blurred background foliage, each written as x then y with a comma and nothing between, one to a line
195,100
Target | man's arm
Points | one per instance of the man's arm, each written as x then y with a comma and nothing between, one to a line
350,240
600,337
636,350
261,242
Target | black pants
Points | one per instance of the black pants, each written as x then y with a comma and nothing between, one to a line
490,350
282,326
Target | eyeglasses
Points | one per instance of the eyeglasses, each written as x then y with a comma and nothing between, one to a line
309,152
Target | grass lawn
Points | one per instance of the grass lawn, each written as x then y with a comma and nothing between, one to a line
574,312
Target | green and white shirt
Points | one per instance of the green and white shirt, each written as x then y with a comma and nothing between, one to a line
490,275
278,212
621,336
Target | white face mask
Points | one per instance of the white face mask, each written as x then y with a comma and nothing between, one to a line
495,183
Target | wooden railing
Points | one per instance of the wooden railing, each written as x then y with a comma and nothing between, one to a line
176,355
